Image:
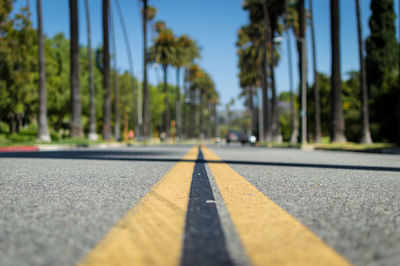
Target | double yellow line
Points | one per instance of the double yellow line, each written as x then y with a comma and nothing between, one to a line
152,232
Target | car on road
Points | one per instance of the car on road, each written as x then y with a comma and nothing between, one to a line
239,137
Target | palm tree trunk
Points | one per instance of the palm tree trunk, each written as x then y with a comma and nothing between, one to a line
271,62
317,113
260,116
275,114
192,114
117,129
268,41
146,95
303,72
337,128
398,98
43,131
201,115
251,110
126,126
213,119
92,123
106,72
293,127
186,106
167,114
265,103
134,83
178,106
76,124
365,132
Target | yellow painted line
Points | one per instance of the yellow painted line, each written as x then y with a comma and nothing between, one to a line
152,232
270,235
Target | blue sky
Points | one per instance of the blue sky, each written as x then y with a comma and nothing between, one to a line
213,24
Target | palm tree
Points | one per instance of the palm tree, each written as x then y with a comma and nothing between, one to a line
248,78
264,18
365,132
337,128
43,131
180,61
117,129
252,64
274,103
293,127
139,121
106,72
269,30
194,73
398,100
213,103
291,23
303,71
92,126
186,52
202,85
163,52
148,13
267,44
146,95
317,115
76,124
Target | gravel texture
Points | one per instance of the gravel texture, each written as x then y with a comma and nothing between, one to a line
56,206
354,210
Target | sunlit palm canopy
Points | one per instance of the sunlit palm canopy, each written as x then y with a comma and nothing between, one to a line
164,49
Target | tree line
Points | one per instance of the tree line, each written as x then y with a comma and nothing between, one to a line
67,90
364,108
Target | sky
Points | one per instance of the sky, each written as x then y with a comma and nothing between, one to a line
214,25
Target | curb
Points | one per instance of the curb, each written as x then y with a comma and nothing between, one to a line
19,148
60,147
376,151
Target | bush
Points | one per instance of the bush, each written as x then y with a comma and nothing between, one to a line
3,140
4,128
30,130
21,138
54,135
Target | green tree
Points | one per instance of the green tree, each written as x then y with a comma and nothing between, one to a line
58,82
18,67
125,103
382,69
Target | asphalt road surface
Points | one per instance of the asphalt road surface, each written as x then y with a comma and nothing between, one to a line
185,205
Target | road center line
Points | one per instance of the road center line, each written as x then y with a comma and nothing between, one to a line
204,242
152,232
269,234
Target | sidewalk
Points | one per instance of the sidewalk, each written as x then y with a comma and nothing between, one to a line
58,147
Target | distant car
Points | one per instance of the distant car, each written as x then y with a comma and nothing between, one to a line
240,137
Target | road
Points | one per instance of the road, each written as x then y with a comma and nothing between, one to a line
214,205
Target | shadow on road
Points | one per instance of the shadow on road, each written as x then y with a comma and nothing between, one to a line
156,156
